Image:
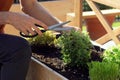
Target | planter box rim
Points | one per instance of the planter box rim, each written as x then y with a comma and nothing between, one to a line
45,66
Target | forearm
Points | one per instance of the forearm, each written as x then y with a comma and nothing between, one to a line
39,12
4,18
8,17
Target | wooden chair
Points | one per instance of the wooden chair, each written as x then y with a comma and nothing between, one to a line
111,34
78,15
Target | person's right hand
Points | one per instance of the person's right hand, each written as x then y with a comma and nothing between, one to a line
25,23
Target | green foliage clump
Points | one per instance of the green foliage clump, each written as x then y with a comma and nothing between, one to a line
112,54
47,39
75,48
103,71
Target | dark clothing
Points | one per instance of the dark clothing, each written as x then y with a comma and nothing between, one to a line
15,54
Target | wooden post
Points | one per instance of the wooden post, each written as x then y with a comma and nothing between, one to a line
78,13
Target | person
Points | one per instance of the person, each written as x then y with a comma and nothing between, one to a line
15,52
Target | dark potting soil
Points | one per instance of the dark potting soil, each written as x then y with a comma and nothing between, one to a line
51,56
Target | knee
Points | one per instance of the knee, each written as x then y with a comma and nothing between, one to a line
22,50
14,49
15,43
22,43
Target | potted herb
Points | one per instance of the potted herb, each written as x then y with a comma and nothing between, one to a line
94,27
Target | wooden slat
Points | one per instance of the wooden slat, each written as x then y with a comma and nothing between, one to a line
91,14
116,31
103,39
107,37
103,20
112,3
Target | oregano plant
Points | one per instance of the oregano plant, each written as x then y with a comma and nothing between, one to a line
75,48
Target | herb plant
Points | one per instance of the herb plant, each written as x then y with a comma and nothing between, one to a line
75,48
46,39
112,55
103,71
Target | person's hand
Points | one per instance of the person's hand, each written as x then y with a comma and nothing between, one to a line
25,23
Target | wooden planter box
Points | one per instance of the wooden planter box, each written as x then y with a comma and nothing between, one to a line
39,71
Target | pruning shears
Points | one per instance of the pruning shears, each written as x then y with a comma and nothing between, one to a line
55,27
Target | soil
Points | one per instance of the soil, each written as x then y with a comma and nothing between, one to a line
51,56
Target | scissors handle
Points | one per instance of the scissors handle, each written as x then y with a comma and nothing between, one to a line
30,36
50,28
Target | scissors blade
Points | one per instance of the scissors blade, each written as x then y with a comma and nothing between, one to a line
63,29
57,25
